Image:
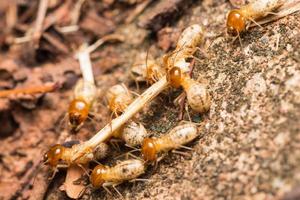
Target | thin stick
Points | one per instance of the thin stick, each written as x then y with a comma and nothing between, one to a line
138,10
102,40
11,15
116,123
86,66
30,90
76,12
43,5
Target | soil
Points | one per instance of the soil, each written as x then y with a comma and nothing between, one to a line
249,146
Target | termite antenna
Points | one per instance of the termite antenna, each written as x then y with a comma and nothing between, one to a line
61,122
147,54
240,40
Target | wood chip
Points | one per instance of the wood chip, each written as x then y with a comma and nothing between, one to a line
163,13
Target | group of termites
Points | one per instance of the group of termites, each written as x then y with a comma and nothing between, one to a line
172,70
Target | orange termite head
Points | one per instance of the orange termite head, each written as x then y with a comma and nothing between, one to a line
174,77
78,112
236,22
149,150
96,176
54,155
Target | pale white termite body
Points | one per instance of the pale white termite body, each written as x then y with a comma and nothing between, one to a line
132,133
174,139
197,95
186,46
260,8
238,19
146,69
85,90
118,97
178,136
123,171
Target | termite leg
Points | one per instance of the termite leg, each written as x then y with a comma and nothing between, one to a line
105,185
63,120
252,20
114,187
202,52
140,179
185,147
182,101
240,39
90,117
84,170
187,111
180,152
96,161
137,85
135,93
76,129
131,147
181,105
53,174
82,192
192,65
114,142
129,153
160,159
272,13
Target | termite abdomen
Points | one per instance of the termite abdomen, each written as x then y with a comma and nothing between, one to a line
123,171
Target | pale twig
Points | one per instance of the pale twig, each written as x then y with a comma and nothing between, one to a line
138,10
30,90
67,29
51,19
102,40
131,110
76,12
43,5
11,15
86,66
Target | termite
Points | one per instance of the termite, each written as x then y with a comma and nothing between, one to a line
177,67
186,46
104,176
146,69
80,106
174,139
118,97
85,93
197,94
237,19
60,155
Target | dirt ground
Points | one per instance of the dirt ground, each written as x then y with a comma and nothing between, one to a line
249,146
